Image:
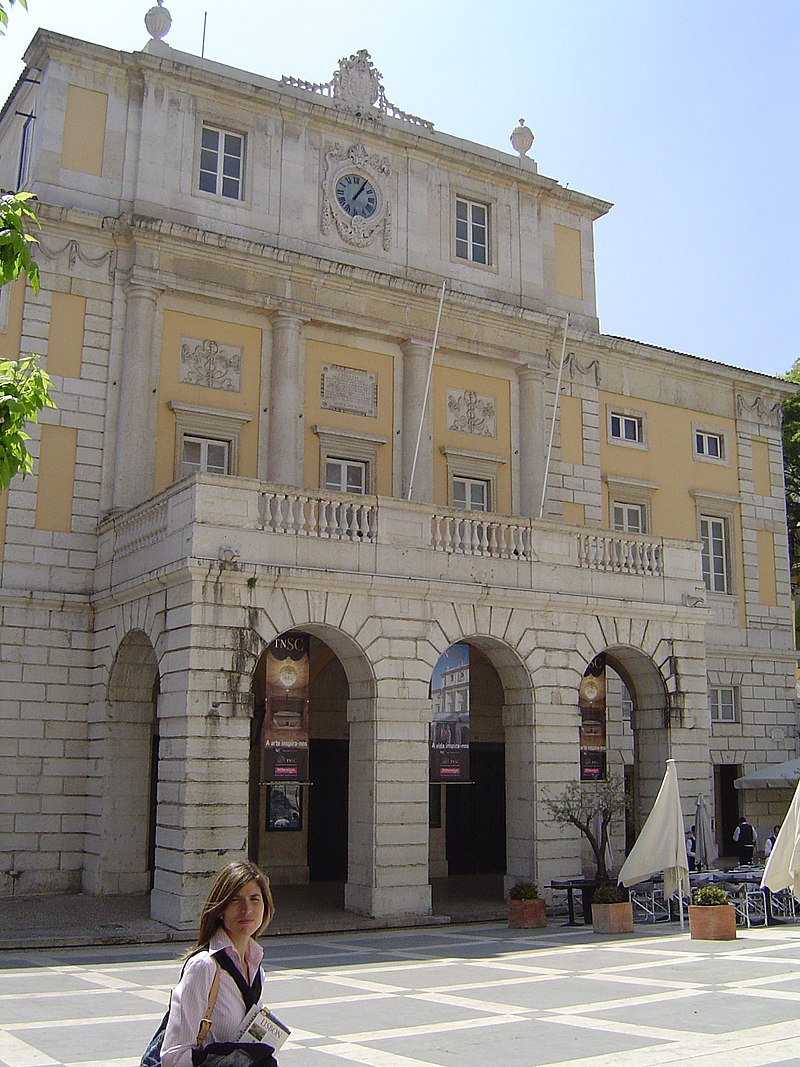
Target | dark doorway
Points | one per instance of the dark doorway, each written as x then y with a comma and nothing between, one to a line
475,814
327,810
727,799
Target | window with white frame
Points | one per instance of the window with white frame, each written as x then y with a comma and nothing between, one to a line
627,704
202,454
628,517
473,233
626,428
25,150
221,162
723,703
345,476
708,445
206,439
471,493
715,538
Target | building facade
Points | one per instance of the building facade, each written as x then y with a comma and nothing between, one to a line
240,286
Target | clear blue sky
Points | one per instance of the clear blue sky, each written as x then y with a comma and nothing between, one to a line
684,113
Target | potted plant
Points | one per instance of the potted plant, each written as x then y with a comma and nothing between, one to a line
526,909
711,915
612,912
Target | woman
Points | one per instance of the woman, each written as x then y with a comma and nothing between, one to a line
238,908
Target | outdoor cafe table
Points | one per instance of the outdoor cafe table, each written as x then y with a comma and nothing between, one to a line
587,887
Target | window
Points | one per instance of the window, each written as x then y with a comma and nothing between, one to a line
345,476
723,704
25,151
472,231
709,445
200,454
629,518
716,553
471,493
206,439
221,161
626,428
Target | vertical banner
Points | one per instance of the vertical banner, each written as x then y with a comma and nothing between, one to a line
592,702
450,722
284,737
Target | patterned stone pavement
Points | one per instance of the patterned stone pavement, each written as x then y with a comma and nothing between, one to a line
439,997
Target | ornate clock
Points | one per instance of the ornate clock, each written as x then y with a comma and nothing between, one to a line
354,196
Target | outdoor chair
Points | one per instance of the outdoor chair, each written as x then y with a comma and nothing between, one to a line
749,901
783,906
647,900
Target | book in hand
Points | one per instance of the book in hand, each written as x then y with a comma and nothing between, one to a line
261,1025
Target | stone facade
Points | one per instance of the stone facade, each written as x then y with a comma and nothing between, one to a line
271,321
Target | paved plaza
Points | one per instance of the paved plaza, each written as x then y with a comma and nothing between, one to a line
468,996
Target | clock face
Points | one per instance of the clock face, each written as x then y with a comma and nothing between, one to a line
356,196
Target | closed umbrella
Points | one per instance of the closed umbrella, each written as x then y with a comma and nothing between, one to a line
705,847
661,846
783,864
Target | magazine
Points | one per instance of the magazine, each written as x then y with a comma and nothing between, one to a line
261,1025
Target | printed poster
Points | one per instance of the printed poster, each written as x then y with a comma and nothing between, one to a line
450,720
592,703
284,735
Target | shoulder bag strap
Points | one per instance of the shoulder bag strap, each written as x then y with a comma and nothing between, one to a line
205,1022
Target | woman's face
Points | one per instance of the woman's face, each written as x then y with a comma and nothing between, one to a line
244,912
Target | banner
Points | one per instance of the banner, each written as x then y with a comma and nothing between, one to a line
450,721
592,702
284,736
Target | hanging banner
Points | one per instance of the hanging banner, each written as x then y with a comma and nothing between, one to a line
284,736
592,703
450,721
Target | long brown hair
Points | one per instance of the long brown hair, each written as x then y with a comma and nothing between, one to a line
233,877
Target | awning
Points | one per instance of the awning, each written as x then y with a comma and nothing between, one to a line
774,775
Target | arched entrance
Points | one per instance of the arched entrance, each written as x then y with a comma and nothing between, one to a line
298,826
125,859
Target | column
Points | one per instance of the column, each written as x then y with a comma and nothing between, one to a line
388,808
416,358
138,400
532,443
287,400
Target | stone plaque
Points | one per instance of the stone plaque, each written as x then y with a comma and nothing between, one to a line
470,412
348,389
211,364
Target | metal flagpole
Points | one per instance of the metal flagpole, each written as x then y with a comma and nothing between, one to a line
555,413
427,390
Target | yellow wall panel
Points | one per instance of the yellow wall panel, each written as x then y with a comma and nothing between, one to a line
571,429
84,130
11,319
65,342
178,326
320,352
56,478
573,513
767,585
3,516
451,378
762,483
569,279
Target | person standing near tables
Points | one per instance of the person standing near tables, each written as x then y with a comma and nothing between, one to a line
745,839
770,843
691,848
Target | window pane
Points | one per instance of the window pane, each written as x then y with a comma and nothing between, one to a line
355,478
333,475
210,138
230,188
478,495
217,461
459,493
461,210
616,430
192,455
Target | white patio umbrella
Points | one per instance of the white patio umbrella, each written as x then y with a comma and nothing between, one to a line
661,845
783,864
705,847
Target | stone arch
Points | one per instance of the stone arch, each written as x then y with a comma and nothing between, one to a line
125,839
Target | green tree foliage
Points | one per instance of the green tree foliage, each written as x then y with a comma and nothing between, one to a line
24,391
588,805
15,242
4,13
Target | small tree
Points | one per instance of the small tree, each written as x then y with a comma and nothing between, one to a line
581,804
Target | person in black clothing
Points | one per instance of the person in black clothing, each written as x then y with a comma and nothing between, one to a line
745,839
691,848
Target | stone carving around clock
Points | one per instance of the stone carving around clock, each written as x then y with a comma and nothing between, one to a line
354,197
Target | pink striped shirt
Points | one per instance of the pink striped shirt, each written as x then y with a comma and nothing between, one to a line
189,1000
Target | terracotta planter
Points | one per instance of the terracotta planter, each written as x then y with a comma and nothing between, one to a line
613,918
712,922
527,914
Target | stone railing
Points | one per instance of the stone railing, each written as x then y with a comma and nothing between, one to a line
467,535
620,555
304,515
142,527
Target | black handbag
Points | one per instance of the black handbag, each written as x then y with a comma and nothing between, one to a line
234,1054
